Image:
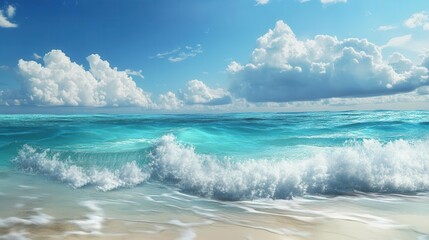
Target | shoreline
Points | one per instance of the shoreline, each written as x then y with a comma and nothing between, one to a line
158,214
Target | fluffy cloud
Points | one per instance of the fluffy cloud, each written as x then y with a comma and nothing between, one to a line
61,82
198,93
196,96
4,19
420,19
284,68
181,54
169,101
234,67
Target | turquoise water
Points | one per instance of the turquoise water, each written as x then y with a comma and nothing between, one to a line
212,157
225,156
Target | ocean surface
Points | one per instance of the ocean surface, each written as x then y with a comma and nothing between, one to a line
299,175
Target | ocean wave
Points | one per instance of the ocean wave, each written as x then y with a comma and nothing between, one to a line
50,164
368,166
398,166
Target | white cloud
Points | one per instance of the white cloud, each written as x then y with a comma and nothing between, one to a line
261,2
332,1
181,54
284,68
400,63
135,73
169,101
398,41
10,98
234,67
11,11
4,21
420,19
384,28
165,54
196,97
198,93
62,82
186,53
37,56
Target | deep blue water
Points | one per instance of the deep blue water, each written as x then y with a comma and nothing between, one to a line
224,156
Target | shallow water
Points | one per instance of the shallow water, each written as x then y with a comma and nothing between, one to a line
321,175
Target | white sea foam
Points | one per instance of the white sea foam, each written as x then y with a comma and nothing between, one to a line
38,219
93,222
179,223
44,162
368,166
188,234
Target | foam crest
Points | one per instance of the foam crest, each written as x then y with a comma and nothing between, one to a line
50,164
398,166
369,166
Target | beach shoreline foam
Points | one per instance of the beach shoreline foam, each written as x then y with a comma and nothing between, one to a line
157,212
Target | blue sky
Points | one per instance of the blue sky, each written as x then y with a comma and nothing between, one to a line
184,50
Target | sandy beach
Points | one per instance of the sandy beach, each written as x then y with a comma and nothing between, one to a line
173,215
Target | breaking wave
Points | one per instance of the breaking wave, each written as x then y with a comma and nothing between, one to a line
50,164
398,166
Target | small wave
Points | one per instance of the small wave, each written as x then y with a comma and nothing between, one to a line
44,162
367,166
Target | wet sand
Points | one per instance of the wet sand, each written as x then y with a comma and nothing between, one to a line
336,218
158,212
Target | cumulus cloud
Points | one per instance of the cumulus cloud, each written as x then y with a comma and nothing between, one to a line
234,67
61,82
196,96
198,93
284,68
5,19
420,19
169,101
332,1
181,54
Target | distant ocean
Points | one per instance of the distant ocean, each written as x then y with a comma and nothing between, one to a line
252,175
